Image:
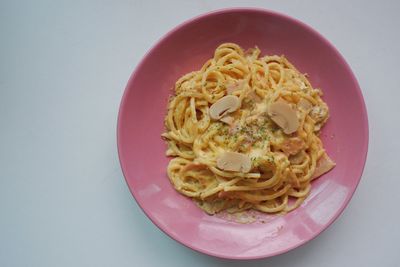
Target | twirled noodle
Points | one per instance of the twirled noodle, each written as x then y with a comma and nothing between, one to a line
282,165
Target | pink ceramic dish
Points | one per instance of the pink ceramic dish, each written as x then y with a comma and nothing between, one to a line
142,152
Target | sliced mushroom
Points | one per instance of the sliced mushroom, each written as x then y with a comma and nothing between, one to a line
324,164
223,106
227,119
283,115
233,161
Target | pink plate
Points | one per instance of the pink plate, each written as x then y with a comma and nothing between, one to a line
143,107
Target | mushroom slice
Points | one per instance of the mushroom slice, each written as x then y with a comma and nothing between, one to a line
233,161
227,119
283,115
324,164
223,106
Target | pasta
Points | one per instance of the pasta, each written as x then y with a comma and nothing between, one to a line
243,132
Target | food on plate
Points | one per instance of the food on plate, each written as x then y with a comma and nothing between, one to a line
243,132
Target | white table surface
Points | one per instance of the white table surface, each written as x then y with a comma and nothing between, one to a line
63,69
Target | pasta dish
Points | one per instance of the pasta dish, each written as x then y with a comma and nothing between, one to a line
243,133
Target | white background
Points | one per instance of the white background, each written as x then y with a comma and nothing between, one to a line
63,69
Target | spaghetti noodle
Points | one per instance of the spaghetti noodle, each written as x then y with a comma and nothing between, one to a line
243,132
